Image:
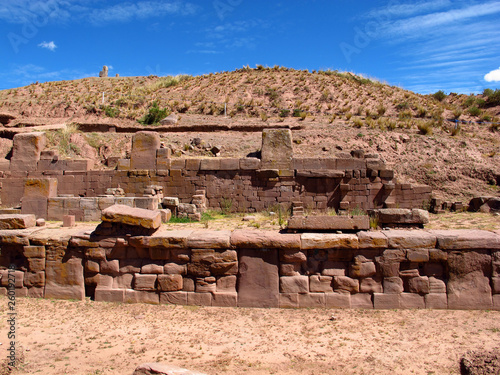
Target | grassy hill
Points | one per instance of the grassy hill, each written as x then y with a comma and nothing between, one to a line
448,141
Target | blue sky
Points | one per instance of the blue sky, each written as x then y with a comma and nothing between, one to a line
423,46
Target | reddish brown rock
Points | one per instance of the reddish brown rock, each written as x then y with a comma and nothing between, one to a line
132,216
258,284
144,146
255,239
329,241
161,369
170,283
345,284
17,221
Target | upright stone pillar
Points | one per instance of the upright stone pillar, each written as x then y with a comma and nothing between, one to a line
37,192
26,151
144,146
277,151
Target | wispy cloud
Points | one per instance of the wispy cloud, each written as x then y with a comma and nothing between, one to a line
51,46
141,10
493,76
444,42
26,11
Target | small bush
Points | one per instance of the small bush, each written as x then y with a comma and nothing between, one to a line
421,112
263,116
457,112
494,98
474,111
439,95
425,128
402,106
155,115
284,113
358,123
381,110
111,112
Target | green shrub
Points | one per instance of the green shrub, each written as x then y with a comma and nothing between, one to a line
401,106
358,123
155,115
457,112
474,111
439,95
284,113
494,98
111,112
487,92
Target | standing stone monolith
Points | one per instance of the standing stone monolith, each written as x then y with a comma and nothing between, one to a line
277,151
144,146
104,72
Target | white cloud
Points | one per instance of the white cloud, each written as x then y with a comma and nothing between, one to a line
493,76
48,45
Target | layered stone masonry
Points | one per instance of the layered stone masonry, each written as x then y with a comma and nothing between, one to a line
249,184
457,269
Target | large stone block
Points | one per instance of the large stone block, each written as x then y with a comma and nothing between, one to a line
40,188
209,239
64,279
372,240
17,221
312,300
136,296
132,216
258,284
436,301
259,239
328,223
26,150
361,301
144,146
461,239
393,285
319,284
329,241
277,150
386,301
170,283
225,299
411,301
145,282
410,239
35,206
470,292
294,284
345,284
337,300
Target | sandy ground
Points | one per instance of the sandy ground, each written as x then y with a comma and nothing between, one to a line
83,338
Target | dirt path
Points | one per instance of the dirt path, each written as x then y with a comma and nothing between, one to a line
83,338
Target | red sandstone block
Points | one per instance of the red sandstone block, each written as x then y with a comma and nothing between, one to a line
312,300
225,299
36,292
199,299
411,301
338,300
436,301
289,300
361,301
496,302
386,301
135,296
109,295
174,298
229,164
69,221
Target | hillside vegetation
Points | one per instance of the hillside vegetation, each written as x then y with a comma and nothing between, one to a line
449,141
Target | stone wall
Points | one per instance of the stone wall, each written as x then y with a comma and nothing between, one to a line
342,182
457,269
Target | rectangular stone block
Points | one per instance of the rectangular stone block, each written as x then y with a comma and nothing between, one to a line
174,298
338,300
34,251
289,300
225,299
277,150
144,282
16,221
249,164
258,284
411,301
361,301
109,295
386,301
294,284
40,188
144,146
136,296
35,206
211,164
123,164
170,283
199,299
436,301
312,300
